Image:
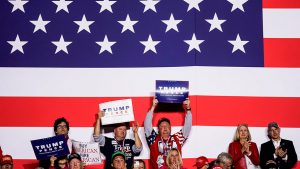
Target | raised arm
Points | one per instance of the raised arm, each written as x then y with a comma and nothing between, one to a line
97,136
148,120
138,143
188,119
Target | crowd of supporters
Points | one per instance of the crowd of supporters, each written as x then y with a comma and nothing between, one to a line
166,148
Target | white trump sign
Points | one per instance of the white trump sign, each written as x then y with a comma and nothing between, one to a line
118,111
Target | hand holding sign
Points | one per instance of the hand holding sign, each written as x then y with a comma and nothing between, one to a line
171,91
187,104
118,111
101,114
51,146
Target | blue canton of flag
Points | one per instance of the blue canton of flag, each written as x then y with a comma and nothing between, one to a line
131,33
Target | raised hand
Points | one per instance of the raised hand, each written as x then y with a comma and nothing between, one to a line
135,127
101,114
187,103
154,102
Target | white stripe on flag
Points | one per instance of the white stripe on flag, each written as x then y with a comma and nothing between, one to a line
281,23
220,81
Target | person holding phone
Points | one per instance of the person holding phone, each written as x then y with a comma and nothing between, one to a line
278,151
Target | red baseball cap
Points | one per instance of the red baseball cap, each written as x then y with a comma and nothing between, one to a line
6,159
201,161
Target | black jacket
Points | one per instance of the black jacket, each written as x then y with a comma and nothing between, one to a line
267,150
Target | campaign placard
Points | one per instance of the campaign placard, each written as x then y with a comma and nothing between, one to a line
171,91
51,146
89,152
118,111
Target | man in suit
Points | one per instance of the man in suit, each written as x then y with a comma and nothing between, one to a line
277,151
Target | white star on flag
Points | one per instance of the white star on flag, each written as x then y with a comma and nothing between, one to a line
61,45
84,24
149,4
62,5
171,23
128,24
18,4
106,5
105,45
193,43
150,44
237,4
17,44
215,23
238,44
40,24
193,4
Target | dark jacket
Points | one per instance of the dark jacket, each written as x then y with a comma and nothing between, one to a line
267,151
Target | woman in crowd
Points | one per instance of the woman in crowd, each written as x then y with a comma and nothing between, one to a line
174,160
139,164
244,152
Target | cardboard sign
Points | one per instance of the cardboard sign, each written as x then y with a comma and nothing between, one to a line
117,111
51,146
89,152
171,91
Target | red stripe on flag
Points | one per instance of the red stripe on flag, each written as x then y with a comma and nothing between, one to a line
256,111
281,52
281,4
187,162
207,110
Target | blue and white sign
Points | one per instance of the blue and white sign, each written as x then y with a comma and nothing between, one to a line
171,91
51,146
118,111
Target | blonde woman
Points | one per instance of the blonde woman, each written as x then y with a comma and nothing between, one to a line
244,152
174,160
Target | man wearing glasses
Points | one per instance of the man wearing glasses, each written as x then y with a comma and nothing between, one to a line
61,127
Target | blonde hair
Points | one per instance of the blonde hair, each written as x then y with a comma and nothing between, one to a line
169,154
237,135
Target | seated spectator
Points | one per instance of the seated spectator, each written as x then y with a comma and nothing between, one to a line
118,160
59,163
223,161
6,162
244,152
174,160
202,163
74,161
139,164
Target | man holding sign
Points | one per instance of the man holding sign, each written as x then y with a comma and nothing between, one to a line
109,146
162,142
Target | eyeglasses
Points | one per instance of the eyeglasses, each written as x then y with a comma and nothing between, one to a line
61,126
64,163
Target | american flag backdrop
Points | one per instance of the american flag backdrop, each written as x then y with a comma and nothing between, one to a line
62,58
